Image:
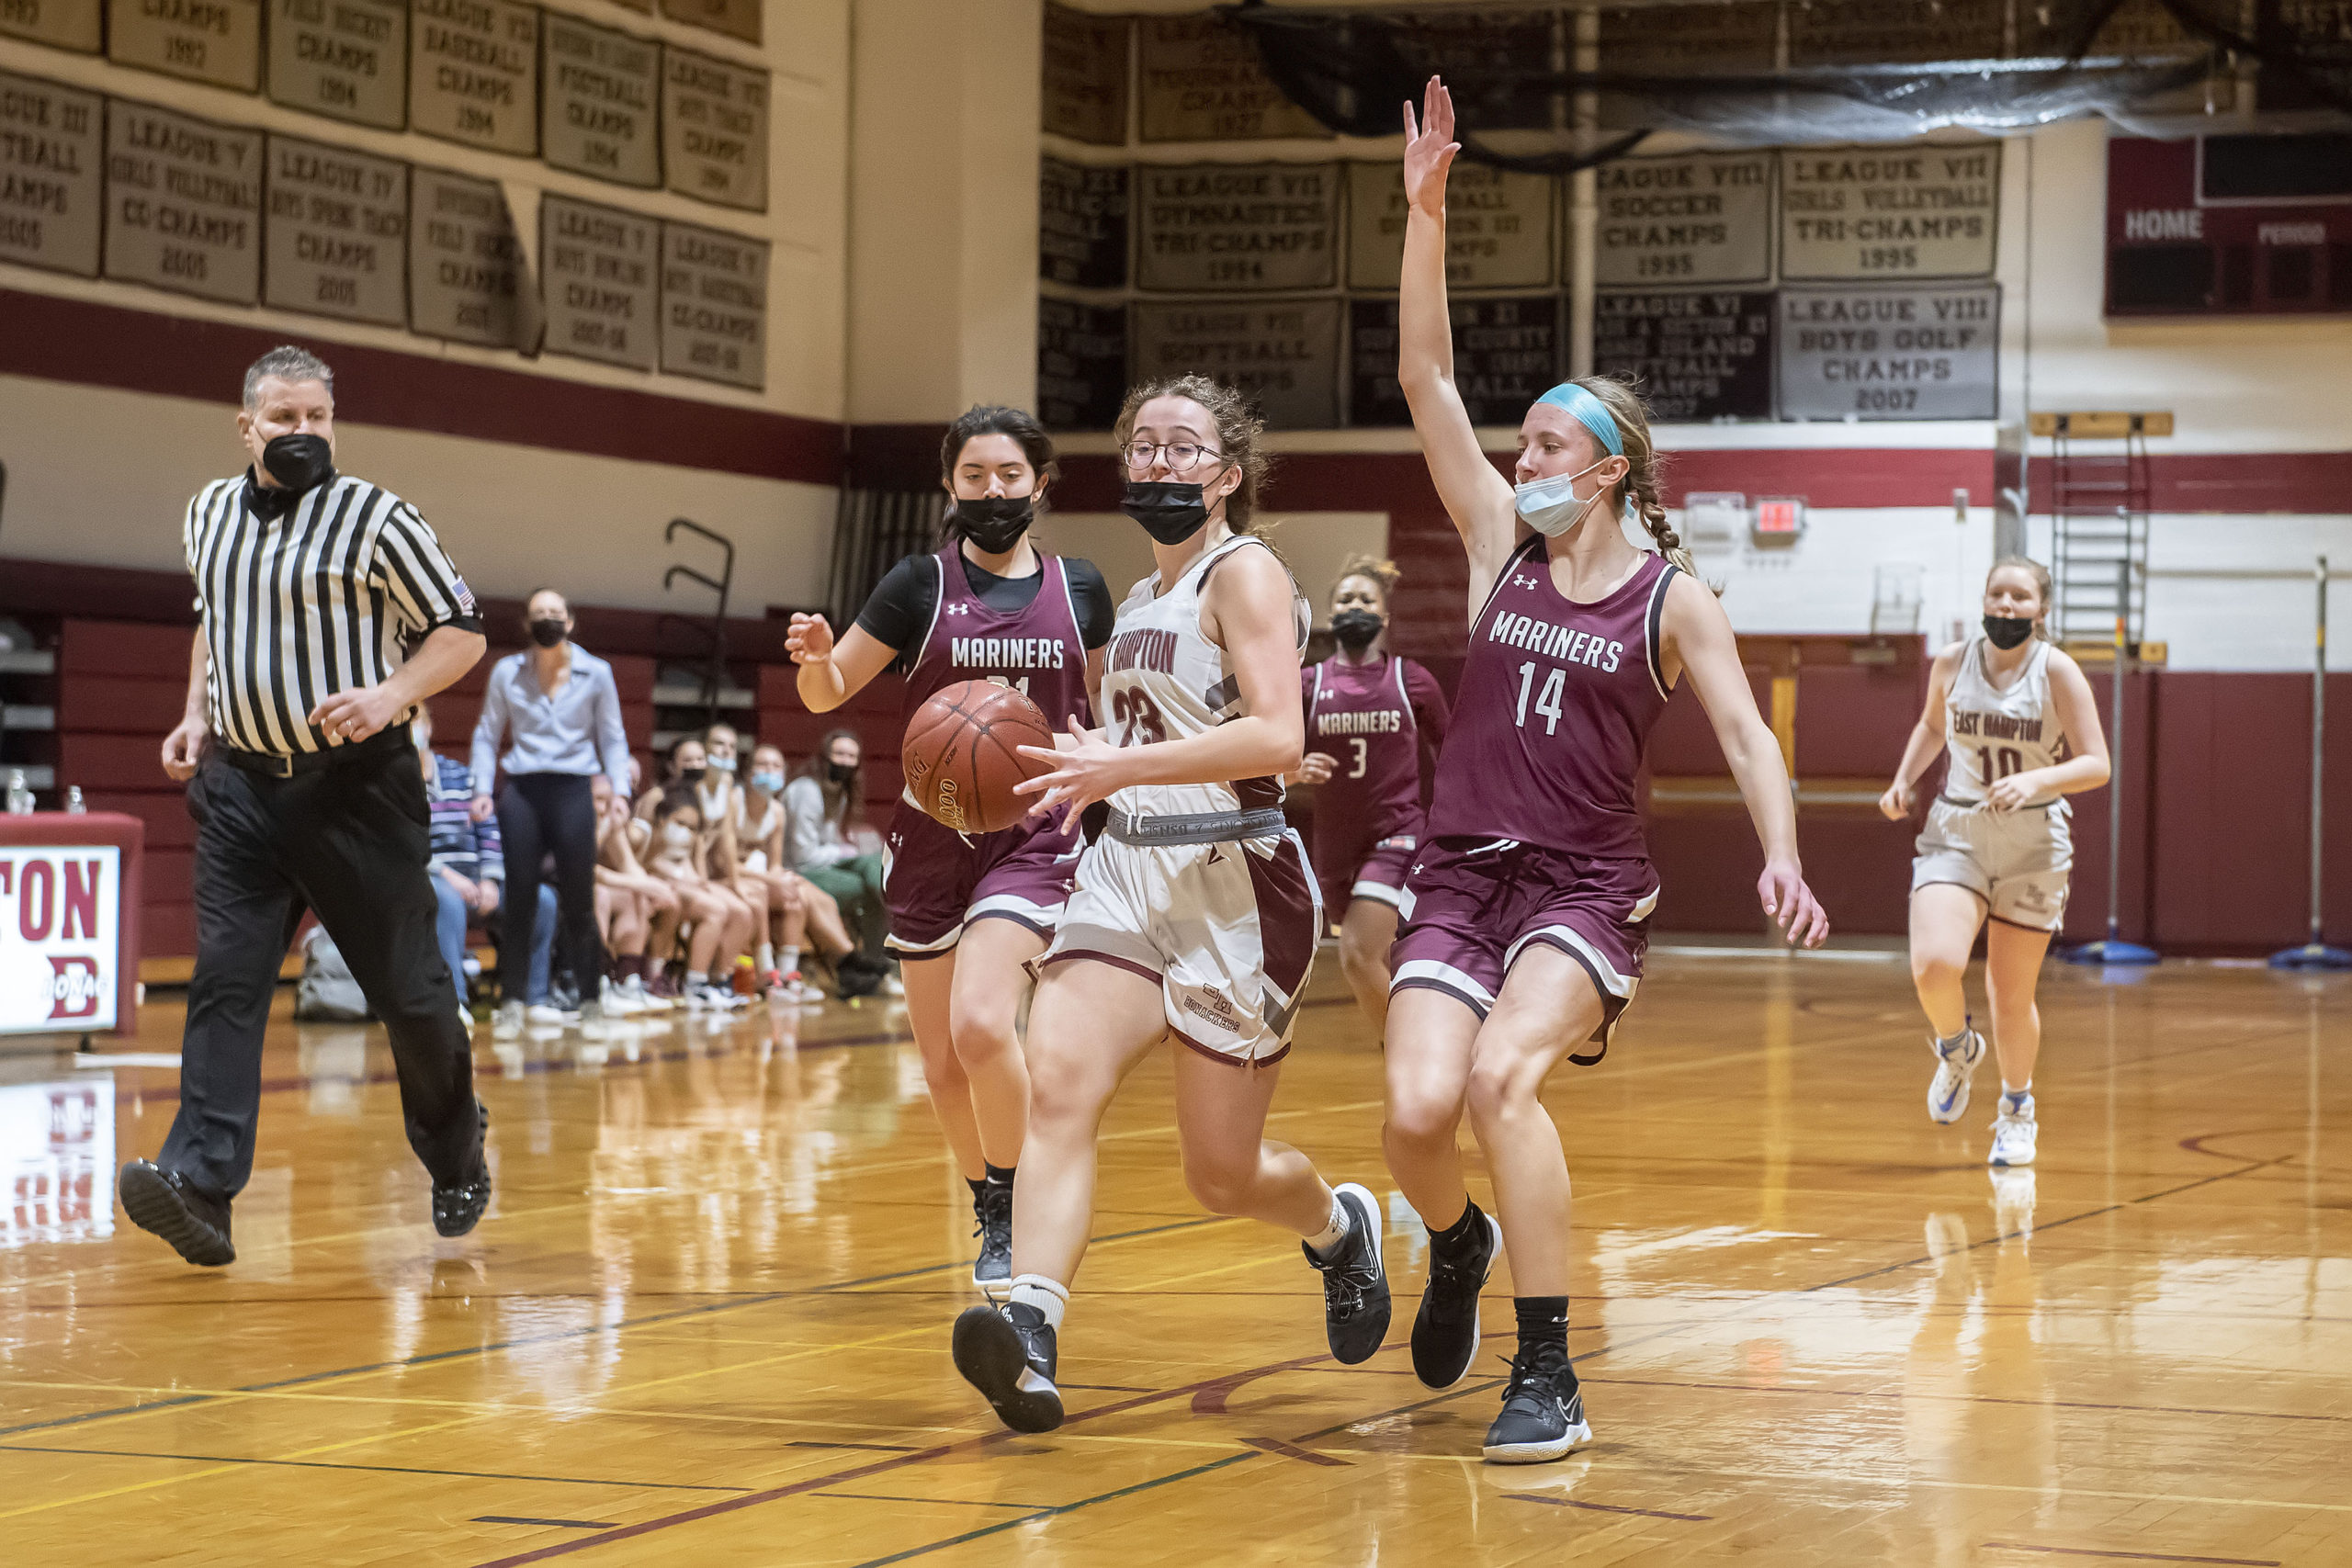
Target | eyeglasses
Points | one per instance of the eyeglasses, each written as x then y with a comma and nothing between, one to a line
1181,456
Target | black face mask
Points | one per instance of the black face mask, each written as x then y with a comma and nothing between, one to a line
548,634
994,523
1172,510
692,775
298,461
840,773
1355,628
2006,631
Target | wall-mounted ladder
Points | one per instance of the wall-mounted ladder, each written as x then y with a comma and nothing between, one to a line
2099,502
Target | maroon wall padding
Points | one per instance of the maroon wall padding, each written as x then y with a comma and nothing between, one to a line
2236,483
1853,719
1707,863
1859,864
1683,744
2086,896
122,704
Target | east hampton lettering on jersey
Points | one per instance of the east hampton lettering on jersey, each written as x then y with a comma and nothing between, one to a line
1553,641
1007,652
1147,648
1995,726
1386,721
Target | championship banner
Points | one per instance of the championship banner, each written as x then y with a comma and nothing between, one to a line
1696,356
347,61
1507,354
77,25
50,158
1500,227
1890,353
61,948
1283,358
1081,363
1702,219
183,203
214,41
1889,213
1210,226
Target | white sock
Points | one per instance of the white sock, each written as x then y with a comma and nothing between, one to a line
788,960
1342,1221
2017,1101
696,979
767,957
1048,1296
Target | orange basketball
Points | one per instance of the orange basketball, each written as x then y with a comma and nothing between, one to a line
961,760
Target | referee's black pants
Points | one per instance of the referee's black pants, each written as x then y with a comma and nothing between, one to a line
348,842
541,815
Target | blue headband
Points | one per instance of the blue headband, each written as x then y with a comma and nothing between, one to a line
1589,412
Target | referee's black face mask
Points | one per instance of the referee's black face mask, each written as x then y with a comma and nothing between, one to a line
300,460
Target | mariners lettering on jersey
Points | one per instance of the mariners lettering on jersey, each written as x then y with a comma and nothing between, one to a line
1553,641
1995,726
1006,653
1387,721
1147,648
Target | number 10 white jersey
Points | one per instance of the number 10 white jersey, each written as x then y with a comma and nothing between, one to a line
1991,733
1164,680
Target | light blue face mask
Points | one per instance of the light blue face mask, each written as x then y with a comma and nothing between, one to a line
1551,506
772,783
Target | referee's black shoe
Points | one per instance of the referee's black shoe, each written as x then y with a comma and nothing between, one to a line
196,1224
1008,1354
457,1206
1355,1283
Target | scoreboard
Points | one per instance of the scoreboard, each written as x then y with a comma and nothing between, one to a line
2229,225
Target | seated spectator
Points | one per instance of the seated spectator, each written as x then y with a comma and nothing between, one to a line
467,869
632,907
803,911
819,808
679,854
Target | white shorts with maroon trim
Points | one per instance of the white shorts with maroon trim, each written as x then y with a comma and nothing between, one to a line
1228,931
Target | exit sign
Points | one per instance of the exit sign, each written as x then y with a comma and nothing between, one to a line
1780,519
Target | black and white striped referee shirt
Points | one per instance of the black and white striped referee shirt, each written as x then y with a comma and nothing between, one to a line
316,598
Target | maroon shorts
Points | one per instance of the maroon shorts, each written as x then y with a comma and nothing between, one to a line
936,880
1472,907
1374,869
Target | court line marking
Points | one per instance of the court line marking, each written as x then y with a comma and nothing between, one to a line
555,1524
2148,1556
1045,1513
1292,1450
945,1502
1907,1395
1619,1508
382,1469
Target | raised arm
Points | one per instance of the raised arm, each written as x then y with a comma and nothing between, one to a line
1926,738
1479,498
1699,635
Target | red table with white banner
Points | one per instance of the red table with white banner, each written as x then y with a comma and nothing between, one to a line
69,923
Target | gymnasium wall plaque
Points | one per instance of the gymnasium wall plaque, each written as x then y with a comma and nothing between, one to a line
473,72
715,129
714,306
736,19
598,267
1876,353
1085,75
336,237
77,24
218,41
1081,363
183,203
1680,40
1081,224
1886,32
1284,356
51,156
465,263
1500,227
1694,354
1238,226
1202,82
344,58
1496,62
1505,355
1889,213
598,95
1702,219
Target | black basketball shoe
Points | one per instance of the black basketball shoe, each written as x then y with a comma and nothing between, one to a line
457,1206
1355,1284
1542,1413
196,1224
1008,1354
1445,1331
992,1208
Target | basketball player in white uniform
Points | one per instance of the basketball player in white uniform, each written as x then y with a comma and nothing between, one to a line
2017,718
1194,918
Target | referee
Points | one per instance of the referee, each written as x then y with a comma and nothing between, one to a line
305,794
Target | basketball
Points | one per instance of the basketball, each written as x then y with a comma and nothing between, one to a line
961,755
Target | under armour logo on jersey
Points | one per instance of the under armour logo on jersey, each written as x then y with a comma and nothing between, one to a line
959,609
1521,579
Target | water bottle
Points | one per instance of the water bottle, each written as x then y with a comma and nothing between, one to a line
20,799
74,807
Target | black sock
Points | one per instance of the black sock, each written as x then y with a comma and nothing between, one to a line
1457,1237
998,1175
976,1186
1543,1320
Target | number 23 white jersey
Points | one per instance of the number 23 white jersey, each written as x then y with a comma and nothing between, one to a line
1164,680
1992,732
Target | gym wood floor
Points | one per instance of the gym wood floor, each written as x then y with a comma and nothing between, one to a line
707,1320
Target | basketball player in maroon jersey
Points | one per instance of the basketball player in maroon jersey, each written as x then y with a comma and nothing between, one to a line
1369,718
1527,907
968,914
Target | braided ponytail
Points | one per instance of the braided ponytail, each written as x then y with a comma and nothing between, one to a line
1639,487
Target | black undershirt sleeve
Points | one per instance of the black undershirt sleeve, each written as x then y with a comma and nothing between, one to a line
1092,595
900,607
